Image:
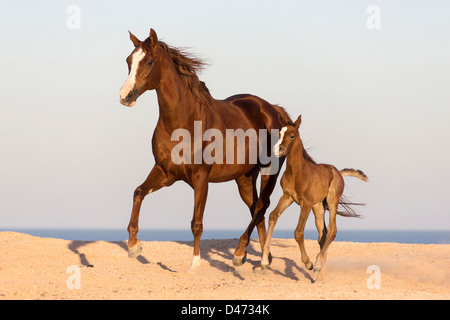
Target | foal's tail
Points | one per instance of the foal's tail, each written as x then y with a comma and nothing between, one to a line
347,206
354,173
346,209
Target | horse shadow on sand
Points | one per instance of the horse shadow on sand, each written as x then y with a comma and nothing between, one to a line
74,246
217,253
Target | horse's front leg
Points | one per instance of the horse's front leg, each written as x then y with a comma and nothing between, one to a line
200,185
155,180
284,202
300,232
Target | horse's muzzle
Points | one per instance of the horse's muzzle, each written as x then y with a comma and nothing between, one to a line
130,99
128,102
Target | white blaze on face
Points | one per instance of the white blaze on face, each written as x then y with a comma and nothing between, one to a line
131,80
276,147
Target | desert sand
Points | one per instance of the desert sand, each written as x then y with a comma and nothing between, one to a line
47,268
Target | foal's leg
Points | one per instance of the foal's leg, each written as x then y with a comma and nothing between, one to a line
300,232
334,194
319,214
284,202
200,186
155,180
331,234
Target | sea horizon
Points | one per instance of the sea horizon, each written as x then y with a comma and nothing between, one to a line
396,236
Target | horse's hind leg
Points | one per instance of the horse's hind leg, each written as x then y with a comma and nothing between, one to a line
334,194
249,194
319,214
155,180
319,265
268,183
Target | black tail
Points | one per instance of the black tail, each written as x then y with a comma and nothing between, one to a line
345,209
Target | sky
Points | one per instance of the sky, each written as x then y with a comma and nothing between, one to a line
373,89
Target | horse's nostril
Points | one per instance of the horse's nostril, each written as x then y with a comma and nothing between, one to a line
129,95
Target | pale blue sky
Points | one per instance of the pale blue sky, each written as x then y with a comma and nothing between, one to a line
377,100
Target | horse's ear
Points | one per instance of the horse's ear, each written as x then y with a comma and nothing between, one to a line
298,121
133,38
153,38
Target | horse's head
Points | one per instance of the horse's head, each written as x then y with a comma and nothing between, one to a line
288,133
143,69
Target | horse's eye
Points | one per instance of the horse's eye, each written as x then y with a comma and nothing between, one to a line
149,62
292,137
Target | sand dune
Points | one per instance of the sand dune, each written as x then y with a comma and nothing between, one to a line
46,268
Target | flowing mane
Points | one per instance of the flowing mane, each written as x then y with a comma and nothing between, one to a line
187,66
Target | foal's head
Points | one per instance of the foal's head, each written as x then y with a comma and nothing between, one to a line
288,134
144,71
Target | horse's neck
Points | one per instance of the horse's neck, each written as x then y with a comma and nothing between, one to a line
295,159
176,103
171,101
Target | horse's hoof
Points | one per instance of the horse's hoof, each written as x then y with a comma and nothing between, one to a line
318,277
195,265
239,261
135,250
264,266
310,267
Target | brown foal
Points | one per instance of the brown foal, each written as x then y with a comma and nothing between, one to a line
312,186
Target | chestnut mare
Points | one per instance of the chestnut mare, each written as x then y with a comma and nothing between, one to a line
312,186
183,99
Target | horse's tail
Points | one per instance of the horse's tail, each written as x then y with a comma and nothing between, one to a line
354,173
346,209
